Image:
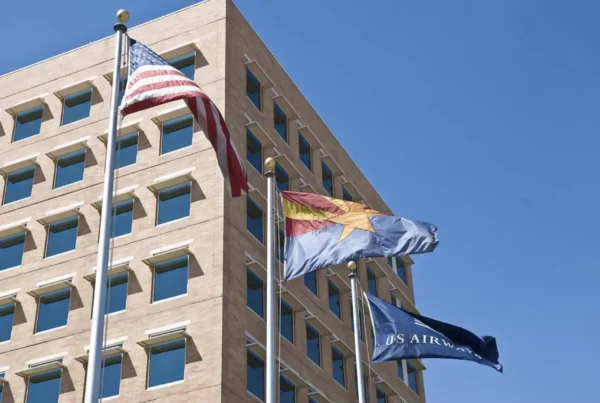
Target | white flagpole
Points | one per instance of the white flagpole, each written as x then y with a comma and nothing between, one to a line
94,368
271,379
360,380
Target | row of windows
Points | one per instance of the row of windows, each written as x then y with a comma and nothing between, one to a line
174,203
176,134
169,280
77,106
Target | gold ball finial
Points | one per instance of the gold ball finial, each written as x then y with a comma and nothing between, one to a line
123,16
352,265
270,163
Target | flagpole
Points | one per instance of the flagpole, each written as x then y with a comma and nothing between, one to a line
360,380
271,381
94,368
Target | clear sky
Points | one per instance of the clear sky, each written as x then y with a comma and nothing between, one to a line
478,116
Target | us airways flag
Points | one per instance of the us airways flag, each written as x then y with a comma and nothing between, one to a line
153,81
321,231
401,335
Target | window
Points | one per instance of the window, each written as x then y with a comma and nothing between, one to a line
335,303
287,321
177,134
1,387
28,123
254,151
117,292
62,236
400,369
53,310
313,344
304,147
282,178
127,148
412,377
254,219
19,185
170,278
122,87
7,315
174,203
44,387
253,89
371,281
367,388
255,293
69,168
111,375
281,244
397,263
337,363
287,391
166,363
280,121
76,106
255,375
186,64
327,177
310,281
11,250
122,218
346,195
394,300
381,396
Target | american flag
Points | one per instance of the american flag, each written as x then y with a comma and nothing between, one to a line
153,81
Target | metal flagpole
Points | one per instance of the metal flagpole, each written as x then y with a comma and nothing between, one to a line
271,382
360,380
94,368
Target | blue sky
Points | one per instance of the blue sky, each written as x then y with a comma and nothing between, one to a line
479,116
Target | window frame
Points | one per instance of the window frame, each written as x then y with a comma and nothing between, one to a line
149,362
15,235
16,115
64,98
331,284
277,109
302,139
251,136
48,231
343,366
250,200
12,305
158,202
153,299
251,273
318,338
306,277
6,182
179,119
323,171
38,309
293,321
56,166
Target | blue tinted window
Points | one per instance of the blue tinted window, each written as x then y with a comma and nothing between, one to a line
335,303
253,90
174,203
412,377
327,176
255,375
28,123
282,178
7,315
381,396
280,121
287,321
304,148
77,106
394,300
254,293
122,87
254,151
111,375
127,148
401,269
19,185
337,363
122,218
186,64
170,278
254,219
53,310
310,281
11,250
346,195
281,245
62,236
313,344
44,387
371,281
177,133
69,168
399,369
287,391
167,362
117,293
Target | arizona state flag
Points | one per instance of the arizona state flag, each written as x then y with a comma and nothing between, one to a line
321,231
